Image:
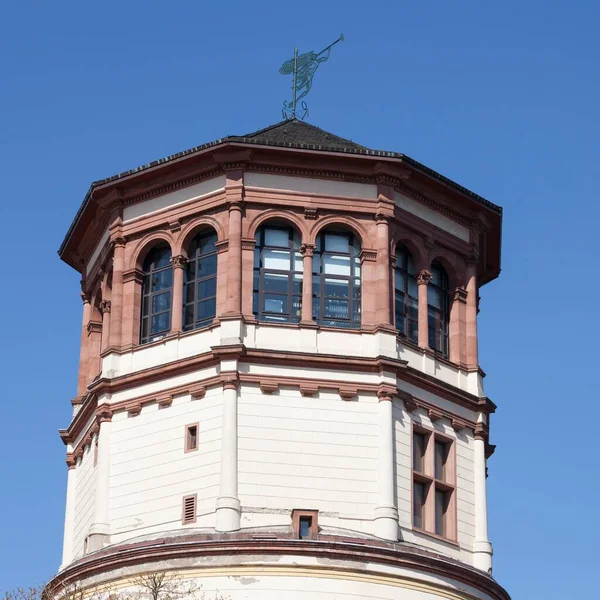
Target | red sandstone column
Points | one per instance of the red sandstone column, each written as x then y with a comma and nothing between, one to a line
105,307
471,316
132,302
94,344
234,260
382,282
423,279
82,380
179,263
116,319
457,326
307,251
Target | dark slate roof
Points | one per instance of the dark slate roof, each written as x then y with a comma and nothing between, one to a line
291,133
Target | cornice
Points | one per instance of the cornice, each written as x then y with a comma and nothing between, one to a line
325,547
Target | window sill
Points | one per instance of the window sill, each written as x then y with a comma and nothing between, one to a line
435,536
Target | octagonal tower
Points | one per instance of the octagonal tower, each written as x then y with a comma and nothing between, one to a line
279,388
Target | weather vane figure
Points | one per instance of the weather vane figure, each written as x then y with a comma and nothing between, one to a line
303,69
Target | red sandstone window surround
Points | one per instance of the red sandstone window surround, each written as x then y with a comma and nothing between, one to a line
305,524
433,483
191,437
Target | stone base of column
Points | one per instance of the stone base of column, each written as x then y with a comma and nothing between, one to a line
482,555
386,523
229,511
98,537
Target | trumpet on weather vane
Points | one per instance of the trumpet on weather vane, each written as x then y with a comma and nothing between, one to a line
303,68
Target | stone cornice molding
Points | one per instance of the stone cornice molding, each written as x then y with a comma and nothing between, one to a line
368,255
344,552
94,327
222,246
248,243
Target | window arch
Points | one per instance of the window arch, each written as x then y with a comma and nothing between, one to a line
406,298
277,287
157,293
438,309
200,282
336,279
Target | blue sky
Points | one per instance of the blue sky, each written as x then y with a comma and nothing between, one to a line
501,97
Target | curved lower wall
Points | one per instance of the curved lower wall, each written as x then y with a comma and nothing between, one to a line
225,568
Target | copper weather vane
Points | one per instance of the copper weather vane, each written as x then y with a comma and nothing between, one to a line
303,69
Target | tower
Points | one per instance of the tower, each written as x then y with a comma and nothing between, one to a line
279,388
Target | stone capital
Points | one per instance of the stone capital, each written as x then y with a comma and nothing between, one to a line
307,249
179,262
424,277
105,306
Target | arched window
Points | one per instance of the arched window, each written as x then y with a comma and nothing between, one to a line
406,295
438,309
277,290
200,282
336,279
157,290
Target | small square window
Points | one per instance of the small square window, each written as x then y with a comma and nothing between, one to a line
191,437
305,524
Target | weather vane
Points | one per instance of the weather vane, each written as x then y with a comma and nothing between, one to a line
303,68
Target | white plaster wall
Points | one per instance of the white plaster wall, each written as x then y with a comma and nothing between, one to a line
308,185
431,216
85,499
188,194
302,452
151,473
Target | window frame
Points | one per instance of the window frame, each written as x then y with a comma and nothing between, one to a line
319,277
298,515
194,282
259,272
148,295
401,248
187,438
432,484
439,317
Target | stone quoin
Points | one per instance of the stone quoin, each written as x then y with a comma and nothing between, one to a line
279,389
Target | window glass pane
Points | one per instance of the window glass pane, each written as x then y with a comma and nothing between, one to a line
418,503
274,304
356,311
144,328
159,257
400,281
207,266
337,242
441,455
276,259
162,280
297,284
297,306
145,306
316,264
190,270
206,243
276,283
207,288
418,452
336,309
206,309
401,260
298,264
161,302
436,277
413,330
161,322
277,237
412,287
336,265
434,297
305,523
255,303
410,267
336,287
440,512
188,315
189,292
